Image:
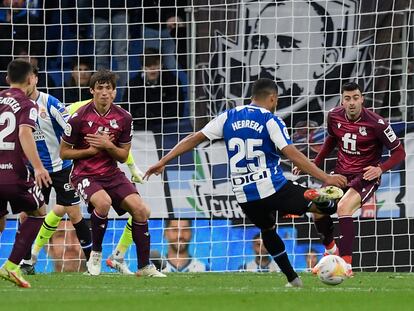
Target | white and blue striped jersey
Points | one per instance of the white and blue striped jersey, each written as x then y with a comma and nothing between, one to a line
252,136
51,123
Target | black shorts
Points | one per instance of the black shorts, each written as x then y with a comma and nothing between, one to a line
288,200
65,193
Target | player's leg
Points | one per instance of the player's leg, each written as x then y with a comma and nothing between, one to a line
99,202
47,230
325,228
117,259
263,215
347,206
32,203
83,232
27,264
140,211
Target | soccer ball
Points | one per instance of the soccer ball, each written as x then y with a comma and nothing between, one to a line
331,270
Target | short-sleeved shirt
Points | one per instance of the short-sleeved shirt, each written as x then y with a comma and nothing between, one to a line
49,130
193,265
360,142
252,136
87,120
16,110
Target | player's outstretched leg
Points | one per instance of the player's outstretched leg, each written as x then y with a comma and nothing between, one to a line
276,249
117,259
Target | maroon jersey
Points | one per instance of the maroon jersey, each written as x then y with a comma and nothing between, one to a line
16,110
360,142
87,120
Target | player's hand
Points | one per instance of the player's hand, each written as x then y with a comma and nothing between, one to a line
296,171
372,172
336,180
42,177
155,169
99,140
137,175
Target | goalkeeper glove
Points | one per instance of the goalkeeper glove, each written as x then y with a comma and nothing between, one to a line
136,174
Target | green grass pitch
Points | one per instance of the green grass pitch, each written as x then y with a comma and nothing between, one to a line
208,291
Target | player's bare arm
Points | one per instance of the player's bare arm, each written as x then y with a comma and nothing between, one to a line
67,152
29,148
183,146
305,165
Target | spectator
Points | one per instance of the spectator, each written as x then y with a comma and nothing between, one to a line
111,18
77,88
20,22
65,251
262,262
178,234
163,24
154,97
45,82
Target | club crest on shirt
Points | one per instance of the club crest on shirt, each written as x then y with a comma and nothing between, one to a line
113,124
363,130
42,113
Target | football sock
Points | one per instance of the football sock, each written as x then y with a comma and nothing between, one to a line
141,237
24,238
125,241
325,228
276,248
347,232
99,224
84,236
48,228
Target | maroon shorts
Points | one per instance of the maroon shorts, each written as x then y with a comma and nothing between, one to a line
117,186
23,196
365,188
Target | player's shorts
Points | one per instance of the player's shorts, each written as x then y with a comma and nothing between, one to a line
288,200
24,196
117,186
65,193
365,188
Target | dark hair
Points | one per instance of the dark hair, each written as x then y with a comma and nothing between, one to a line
263,88
103,76
82,60
18,70
151,57
168,222
350,86
35,70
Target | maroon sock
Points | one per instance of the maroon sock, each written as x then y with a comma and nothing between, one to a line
24,238
347,232
141,237
98,224
325,228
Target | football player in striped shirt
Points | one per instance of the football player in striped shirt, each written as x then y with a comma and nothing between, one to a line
253,134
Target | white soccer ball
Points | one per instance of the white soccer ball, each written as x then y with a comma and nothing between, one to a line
331,270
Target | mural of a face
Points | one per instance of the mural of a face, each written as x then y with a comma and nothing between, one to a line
294,46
